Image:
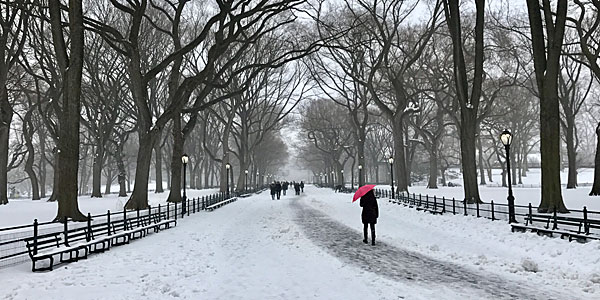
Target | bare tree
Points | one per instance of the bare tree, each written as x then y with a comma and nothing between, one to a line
547,49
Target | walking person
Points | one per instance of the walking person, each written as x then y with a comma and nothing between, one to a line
278,189
284,186
302,186
370,213
273,190
297,188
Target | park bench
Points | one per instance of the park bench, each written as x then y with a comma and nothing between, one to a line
46,246
564,226
220,203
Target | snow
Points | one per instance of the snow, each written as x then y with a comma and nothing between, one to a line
23,211
310,246
528,192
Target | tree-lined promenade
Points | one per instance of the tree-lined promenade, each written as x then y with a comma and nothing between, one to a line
96,92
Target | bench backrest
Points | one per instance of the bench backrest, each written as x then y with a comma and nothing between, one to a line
41,242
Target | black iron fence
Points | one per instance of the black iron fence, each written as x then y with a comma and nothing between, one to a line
489,210
12,239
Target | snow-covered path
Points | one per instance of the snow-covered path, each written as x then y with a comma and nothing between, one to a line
406,266
306,247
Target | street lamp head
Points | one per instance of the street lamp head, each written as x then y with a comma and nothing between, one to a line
228,166
391,160
506,137
246,171
342,171
184,159
360,167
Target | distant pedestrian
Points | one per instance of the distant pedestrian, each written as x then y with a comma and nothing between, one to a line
284,187
297,188
302,186
273,188
370,213
278,189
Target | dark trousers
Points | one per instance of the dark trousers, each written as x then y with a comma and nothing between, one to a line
273,196
284,192
278,195
365,231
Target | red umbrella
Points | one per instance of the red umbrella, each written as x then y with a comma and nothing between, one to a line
362,191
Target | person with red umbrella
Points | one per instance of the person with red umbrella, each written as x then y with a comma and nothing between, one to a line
370,211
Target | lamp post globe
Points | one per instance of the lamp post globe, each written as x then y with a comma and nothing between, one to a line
228,167
184,160
246,180
391,161
506,139
360,179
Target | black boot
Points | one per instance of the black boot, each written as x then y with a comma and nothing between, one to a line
372,236
365,240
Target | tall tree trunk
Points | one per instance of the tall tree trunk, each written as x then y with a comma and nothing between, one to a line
596,186
42,162
68,143
97,170
6,114
108,181
547,70
433,168
139,196
158,166
481,166
399,154
571,154
55,179
467,153
176,164
28,136
122,177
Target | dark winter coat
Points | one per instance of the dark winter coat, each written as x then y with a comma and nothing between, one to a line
278,187
273,189
370,211
285,186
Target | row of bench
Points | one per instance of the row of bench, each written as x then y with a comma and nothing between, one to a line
573,228
220,203
76,243
565,227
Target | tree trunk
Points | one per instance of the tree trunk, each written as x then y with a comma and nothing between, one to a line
42,163
547,70
433,169
97,171
399,154
68,142
596,186
122,177
467,154
6,113
481,167
571,154
108,181
139,197
158,169
176,164
55,180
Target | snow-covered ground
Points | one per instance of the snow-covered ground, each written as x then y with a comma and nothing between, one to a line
23,211
310,247
530,192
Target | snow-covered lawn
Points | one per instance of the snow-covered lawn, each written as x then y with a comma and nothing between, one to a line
257,248
531,193
23,211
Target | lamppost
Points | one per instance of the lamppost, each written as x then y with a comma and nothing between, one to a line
246,179
360,175
391,161
184,160
506,138
342,179
257,177
228,167
332,178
